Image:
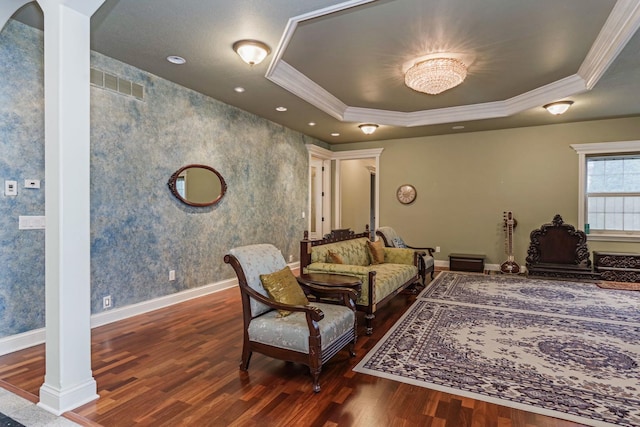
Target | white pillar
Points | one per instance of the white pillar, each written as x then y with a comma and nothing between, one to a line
68,381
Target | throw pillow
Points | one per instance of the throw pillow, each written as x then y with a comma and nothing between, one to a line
283,287
376,252
397,242
334,258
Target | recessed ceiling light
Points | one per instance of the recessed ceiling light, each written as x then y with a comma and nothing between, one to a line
335,134
312,123
239,89
281,109
457,127
178,60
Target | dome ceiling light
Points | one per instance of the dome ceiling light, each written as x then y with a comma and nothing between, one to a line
368,128
252,52
559,107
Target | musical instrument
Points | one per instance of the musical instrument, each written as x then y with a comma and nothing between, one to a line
510,266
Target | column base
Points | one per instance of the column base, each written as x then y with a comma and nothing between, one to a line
59,401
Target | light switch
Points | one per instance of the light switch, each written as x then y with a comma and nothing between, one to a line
10,188
31,183
31,222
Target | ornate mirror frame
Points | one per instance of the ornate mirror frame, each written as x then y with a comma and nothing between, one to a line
174,189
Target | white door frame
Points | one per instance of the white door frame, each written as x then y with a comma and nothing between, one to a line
327,155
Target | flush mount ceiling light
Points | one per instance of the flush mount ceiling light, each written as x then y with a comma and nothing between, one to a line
251,51
368,128
559,107
435,73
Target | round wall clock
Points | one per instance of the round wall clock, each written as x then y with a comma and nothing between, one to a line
406,194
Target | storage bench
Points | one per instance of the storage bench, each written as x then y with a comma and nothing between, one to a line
466,262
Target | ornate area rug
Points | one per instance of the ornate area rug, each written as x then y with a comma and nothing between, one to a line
564,349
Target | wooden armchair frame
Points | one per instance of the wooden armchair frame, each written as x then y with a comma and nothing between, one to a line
316,356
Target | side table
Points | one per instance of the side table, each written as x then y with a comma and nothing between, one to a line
332,281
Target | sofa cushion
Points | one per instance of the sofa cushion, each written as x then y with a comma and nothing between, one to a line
282,286
334,258
352,252
397,242
389,277
376,252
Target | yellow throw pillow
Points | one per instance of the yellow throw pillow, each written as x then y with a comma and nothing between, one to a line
376,251
282,286
334,258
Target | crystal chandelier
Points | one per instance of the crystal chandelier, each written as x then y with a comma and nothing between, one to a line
435,75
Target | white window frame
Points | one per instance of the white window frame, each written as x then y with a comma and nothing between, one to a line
594,149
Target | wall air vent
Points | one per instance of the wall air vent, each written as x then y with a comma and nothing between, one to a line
116,84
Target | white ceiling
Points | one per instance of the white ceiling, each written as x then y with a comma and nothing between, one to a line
339,64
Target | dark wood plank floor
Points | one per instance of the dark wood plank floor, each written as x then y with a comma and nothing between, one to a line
179,366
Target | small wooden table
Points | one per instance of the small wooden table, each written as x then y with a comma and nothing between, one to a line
332,281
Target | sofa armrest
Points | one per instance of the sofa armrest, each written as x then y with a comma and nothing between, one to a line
399,256
430,250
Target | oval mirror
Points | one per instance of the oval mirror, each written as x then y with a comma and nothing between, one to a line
197,185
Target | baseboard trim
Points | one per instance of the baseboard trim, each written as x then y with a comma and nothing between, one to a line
34,337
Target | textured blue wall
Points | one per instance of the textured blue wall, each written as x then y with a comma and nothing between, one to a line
139,231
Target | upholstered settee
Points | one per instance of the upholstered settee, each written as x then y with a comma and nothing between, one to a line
393,240
345,252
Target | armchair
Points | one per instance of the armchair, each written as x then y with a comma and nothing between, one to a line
391,239
310,335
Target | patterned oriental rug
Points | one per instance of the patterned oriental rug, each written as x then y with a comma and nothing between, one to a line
564,349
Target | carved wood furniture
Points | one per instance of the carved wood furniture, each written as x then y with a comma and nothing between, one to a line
331,281
391,239
617,267
310,335
380,282
558,250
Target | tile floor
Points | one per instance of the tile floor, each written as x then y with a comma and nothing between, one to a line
29,414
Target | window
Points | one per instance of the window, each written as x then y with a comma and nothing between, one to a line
609,191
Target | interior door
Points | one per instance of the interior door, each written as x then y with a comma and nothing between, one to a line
319,219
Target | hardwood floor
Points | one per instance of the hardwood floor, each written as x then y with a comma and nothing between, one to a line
179,367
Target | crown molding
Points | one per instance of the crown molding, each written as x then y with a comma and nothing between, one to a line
294,81
620,26
622,23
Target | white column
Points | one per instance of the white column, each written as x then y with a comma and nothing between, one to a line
68,381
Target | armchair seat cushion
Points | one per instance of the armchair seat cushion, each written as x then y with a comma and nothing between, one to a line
292,333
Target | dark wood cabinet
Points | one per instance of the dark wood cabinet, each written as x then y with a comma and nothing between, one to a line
466,262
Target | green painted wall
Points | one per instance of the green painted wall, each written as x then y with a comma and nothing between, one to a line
466,181
355,188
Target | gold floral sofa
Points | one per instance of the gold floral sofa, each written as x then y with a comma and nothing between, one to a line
345,252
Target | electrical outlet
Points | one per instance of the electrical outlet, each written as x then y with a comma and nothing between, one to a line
290,258
437,248
172,275
106,302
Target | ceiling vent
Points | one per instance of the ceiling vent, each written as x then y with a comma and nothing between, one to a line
116,84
